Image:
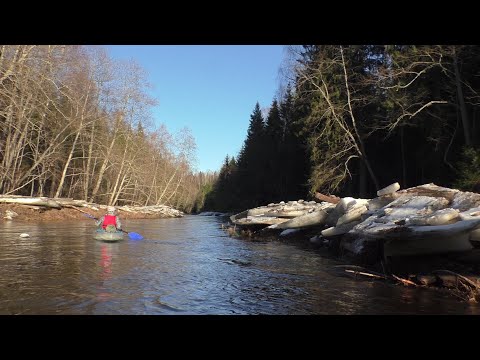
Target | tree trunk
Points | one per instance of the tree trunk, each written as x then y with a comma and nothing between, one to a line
120,189
404,167
461,102
363,191
38,201
114,196
166,187
104,165
152,185
67,164
86,185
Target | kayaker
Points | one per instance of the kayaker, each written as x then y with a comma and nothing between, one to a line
110,222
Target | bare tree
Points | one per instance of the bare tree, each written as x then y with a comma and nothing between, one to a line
336,137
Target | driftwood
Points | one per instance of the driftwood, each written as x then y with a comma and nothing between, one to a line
404,281
68,201
328,198
358,270
37,201
365,274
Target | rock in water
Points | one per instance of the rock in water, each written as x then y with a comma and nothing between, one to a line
24,235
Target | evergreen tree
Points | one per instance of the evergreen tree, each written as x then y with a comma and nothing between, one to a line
251,163
273,153
295,156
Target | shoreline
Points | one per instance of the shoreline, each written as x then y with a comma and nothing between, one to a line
457,274
38,213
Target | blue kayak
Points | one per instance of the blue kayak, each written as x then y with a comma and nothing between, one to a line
102,235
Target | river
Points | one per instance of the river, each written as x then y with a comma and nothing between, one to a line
187,266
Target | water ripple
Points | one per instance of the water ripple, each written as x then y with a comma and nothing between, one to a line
185,266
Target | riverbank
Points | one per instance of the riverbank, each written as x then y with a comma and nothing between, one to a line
45,209
426,236
458,273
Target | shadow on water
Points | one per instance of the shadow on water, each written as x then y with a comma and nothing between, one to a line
186,266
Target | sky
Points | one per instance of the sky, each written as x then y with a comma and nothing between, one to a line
211,89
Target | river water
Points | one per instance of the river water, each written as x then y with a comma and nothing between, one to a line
186,266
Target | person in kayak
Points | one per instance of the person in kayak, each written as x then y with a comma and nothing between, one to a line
110,222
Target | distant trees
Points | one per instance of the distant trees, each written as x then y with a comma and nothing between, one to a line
271,165
222,193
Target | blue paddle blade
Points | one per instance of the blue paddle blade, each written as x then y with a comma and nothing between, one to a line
135,236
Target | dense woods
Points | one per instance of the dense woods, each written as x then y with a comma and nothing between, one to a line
75,123
353,119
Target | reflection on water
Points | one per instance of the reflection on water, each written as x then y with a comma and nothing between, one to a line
186,266
105,263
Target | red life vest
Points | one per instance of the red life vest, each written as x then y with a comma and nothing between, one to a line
109,220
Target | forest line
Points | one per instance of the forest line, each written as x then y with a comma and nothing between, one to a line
75,123
353,119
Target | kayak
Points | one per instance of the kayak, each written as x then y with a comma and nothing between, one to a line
108,236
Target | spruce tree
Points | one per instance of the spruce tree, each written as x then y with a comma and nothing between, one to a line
251,169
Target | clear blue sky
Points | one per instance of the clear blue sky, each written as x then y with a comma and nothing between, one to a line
210,89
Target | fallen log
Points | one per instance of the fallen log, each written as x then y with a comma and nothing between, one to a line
328,198
37,201
365,274
69,201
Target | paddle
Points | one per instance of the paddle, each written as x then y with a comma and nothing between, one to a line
132,235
